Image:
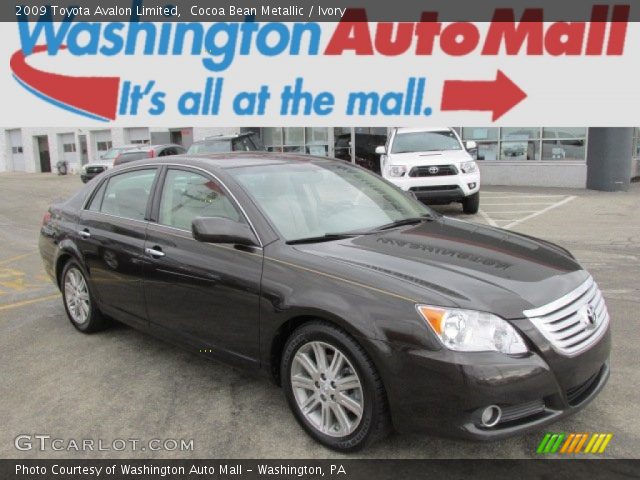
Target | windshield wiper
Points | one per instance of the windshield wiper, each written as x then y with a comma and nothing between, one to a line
405,221
327,237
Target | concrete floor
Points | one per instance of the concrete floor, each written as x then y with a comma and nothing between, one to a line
121,384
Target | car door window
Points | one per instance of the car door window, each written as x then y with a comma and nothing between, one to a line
127,194
96,201
187,195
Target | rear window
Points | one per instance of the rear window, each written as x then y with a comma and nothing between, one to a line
131,156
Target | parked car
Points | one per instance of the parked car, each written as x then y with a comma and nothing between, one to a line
242,142
105,162
434,165
365,154
149,151
369,309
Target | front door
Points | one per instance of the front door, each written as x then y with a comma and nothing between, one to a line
206,294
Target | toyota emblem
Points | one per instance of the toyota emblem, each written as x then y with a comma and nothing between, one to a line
433,170
588,317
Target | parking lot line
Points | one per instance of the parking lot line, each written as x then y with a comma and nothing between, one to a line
518,203
544,210
511,212
15,258
487,218
506,197
23,303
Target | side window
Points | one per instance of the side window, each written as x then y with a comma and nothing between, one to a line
188,195
96,201
127,194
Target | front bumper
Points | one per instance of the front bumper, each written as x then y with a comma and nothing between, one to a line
444,392
447,188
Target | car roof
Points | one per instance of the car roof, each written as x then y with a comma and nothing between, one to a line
228,160
422,129
223,137
146,148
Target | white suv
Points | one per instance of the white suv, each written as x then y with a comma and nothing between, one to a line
433,164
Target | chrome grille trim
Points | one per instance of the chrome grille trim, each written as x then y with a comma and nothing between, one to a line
561,321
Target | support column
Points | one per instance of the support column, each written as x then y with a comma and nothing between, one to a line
609,158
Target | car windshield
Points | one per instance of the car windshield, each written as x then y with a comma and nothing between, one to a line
307,200
111,154
425,142
216,146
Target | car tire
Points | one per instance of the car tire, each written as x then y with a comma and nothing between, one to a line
325,410
78,300
471,204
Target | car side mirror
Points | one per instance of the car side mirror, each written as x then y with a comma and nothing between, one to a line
471,145
222,230
381,150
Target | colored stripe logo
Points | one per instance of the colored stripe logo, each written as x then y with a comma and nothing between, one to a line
574,443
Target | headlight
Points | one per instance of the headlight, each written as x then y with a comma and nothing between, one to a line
396,170
471,331
469,167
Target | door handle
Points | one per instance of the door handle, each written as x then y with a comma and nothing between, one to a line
155,252
84,233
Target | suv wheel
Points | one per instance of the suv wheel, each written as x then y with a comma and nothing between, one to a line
471,204
78,301
333,388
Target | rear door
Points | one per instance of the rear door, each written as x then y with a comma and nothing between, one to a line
112,232
205,294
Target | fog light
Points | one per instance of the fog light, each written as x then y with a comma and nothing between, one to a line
491,416
471,186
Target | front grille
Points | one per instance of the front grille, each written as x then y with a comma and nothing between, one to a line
574,322
96,169
435,188
577,394
433,171
524,410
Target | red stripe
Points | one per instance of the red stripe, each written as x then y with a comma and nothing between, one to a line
96,95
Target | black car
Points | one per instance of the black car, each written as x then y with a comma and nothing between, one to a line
241,142
365,154
372,311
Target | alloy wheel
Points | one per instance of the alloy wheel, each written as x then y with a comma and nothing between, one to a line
76,294
327,389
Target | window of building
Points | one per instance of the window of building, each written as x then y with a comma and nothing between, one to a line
17,149
528,143
103,146
312,141
69,147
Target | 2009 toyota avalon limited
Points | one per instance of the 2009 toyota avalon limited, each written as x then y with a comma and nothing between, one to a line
372,311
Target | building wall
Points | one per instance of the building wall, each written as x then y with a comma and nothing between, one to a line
534,174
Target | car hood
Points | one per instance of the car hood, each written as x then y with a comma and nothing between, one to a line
430,158
106,163
450,262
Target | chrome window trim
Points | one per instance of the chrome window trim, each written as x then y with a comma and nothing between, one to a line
183,166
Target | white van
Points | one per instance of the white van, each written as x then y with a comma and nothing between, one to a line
433,164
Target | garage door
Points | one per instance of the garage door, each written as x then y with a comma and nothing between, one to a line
17,153
69,153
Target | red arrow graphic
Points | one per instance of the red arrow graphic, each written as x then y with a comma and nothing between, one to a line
498,96
93,96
